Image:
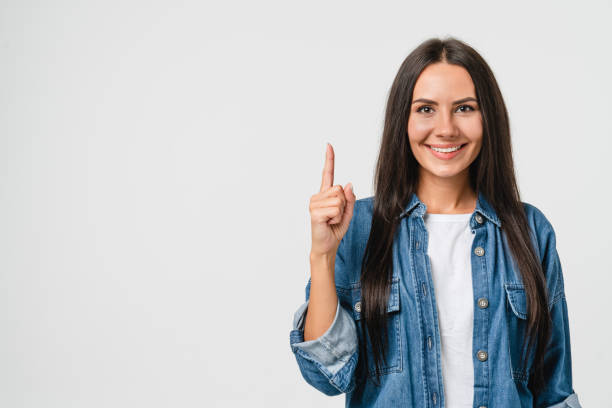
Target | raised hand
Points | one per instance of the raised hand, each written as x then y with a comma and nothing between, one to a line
331,210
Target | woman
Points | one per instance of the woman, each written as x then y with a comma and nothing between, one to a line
443,289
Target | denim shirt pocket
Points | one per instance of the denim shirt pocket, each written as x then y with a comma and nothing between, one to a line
517,326
393,363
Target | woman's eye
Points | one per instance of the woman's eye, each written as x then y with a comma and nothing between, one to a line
469,108
424,107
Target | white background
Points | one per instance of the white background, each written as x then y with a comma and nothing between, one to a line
157,158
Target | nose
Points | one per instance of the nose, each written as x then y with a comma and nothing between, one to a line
445,127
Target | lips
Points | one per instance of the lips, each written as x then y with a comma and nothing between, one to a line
445,156
445,146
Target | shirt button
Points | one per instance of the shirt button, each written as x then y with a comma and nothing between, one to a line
358,307
482,355
429,342
434,397
479,218
417,245
479,251
482,406
483,303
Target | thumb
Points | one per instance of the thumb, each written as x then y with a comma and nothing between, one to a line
349,194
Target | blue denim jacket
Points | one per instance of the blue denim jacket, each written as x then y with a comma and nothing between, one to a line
412,376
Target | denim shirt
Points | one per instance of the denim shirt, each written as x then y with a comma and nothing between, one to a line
412,376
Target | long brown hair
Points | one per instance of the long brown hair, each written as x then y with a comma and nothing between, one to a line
491,173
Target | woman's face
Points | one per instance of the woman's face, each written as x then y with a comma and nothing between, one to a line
444,113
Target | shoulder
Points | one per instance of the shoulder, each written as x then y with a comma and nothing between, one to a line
361,221
545,242
536,218
365,206
541,228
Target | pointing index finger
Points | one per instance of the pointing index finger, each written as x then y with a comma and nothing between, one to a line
328,170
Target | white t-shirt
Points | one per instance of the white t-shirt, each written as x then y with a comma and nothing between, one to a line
449,250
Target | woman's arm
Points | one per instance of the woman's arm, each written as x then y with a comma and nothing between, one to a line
326,349
328,361
558,391
323,296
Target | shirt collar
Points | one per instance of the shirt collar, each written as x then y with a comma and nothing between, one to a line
482,206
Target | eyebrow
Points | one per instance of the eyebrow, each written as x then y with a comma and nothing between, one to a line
469,98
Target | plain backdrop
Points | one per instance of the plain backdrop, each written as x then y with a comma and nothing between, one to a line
157,159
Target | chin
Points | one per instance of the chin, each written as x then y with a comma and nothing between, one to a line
445,173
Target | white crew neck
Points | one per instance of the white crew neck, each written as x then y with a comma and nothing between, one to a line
448,217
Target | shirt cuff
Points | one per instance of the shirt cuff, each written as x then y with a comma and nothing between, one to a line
570,402
332,349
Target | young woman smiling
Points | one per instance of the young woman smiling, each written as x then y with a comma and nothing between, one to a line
443,289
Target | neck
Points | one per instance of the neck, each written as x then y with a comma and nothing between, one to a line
452,195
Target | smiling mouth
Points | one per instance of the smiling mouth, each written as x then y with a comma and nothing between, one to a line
449,149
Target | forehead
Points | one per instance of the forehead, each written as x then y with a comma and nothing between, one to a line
442,81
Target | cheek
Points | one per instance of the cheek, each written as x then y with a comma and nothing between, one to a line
418,129
473,129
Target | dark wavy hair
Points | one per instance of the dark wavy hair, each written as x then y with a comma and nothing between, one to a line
492,173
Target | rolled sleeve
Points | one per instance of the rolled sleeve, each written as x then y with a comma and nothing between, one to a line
328,362
570,402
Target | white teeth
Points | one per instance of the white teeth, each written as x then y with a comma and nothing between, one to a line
447,150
